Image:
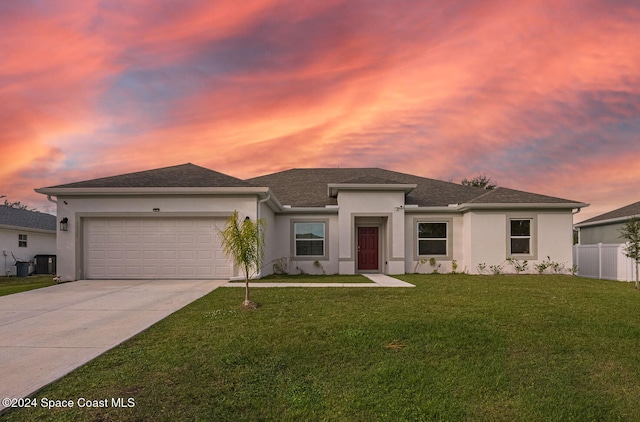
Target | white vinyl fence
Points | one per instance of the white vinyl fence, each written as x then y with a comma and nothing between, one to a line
605,261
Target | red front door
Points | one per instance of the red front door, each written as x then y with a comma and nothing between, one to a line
367,248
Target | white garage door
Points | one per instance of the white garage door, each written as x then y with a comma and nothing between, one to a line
160,248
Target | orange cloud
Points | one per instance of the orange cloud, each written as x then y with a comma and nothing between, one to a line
531,93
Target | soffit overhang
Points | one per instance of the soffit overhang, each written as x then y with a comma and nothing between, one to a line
155,191
334,188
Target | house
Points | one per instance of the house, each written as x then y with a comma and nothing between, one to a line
600,252
24,234
605,228
163,223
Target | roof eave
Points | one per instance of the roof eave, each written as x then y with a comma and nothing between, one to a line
309,210
454,208
29,229
530,205
154,191
333,188
605,222
272,201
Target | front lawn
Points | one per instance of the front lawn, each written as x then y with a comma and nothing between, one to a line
11,285
456,347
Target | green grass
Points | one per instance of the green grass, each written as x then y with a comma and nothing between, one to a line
310,278
456,347
11,285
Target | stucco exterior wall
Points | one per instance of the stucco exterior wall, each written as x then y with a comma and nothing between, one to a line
475,236
555,237
284,247
387,205
489,242
488,233
38,243
75,208
270,240
457,249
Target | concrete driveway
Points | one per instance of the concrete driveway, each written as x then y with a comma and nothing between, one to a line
46,333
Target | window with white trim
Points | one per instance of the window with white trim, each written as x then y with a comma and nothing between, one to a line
22,240
309,238
432,238
520,236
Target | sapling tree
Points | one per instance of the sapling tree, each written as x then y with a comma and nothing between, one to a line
631,232
243,241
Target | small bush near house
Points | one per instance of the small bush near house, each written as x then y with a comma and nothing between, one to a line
517,265
496,269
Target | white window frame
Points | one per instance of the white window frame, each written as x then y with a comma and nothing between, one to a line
294,240
448,239
22,240
532,237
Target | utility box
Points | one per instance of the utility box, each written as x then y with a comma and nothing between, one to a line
45,264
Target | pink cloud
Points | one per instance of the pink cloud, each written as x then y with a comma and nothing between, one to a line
535,94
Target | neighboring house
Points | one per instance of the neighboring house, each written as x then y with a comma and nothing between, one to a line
164,223
24,234
600,252
605,228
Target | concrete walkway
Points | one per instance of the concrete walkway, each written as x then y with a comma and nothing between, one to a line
379,280
384,280
46,333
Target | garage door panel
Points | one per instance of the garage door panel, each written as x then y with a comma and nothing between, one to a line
115,239
205,239
154,248
167,238
151,239
115,224
170,270
150,255
111,254
150,272
114,271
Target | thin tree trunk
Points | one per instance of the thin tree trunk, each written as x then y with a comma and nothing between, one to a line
246,286
637,276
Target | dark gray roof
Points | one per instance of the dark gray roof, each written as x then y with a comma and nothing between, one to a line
626,211
27,219
181,176
371,180
501,195
308,188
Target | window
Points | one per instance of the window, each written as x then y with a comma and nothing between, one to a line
309,239
432,238
520,236
22,240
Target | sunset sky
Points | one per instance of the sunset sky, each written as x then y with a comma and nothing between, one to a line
542,96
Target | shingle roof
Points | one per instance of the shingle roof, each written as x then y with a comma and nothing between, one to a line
181,176
501,195
308,188
626,211
370,180
27,219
